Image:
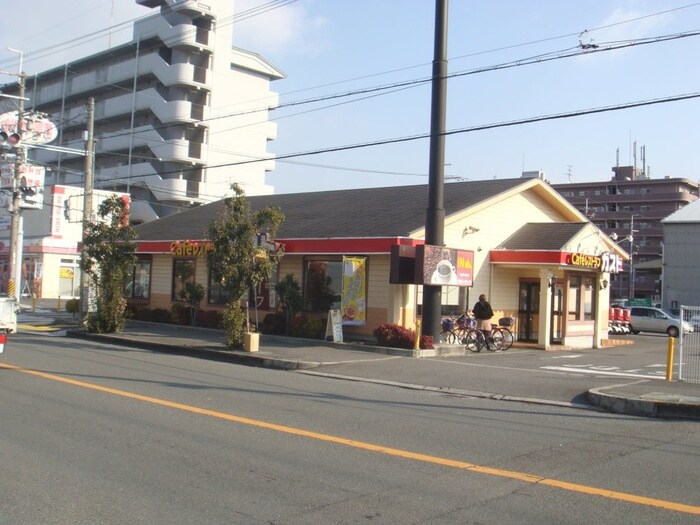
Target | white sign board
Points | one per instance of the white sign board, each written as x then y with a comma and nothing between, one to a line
31,183
334,326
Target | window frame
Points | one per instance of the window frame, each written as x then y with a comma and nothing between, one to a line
174,290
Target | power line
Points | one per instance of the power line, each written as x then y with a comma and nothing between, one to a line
483,127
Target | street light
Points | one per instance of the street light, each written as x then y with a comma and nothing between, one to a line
630,237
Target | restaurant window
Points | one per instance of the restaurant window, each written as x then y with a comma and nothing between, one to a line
581,298
217,293
323,284
138,279
183,272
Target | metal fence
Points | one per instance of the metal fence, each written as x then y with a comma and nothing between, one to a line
689,351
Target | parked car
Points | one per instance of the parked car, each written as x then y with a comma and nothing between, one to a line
650,319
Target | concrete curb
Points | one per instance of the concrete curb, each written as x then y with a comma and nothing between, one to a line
649,405
214,354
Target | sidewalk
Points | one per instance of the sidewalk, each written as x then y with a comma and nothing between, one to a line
365,362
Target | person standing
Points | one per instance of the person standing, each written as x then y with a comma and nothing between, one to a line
483,314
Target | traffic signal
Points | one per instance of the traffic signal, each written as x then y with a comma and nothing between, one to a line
10,138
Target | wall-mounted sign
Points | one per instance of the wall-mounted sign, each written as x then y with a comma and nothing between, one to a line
191,248
605,262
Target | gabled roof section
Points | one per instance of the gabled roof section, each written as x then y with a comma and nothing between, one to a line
396,211
552,236
688,213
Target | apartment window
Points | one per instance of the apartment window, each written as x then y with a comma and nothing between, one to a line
645,207
183,272
137,282
628,208
582,193
645,191
612,190
628,191
613,207
598,192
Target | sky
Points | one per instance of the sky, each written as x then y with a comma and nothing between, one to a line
337,47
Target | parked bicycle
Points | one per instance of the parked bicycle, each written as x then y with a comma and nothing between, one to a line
504,331
454,329
476,340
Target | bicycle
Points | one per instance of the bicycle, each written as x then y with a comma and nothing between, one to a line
476,340
447,332
454,329
504,331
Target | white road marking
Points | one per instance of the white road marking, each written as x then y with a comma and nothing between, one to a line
600,372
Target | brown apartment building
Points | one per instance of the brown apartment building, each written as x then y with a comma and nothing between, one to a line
630,207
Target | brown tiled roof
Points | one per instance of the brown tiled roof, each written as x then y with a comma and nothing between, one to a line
542,236
394,211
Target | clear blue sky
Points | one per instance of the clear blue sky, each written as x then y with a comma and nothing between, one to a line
330,47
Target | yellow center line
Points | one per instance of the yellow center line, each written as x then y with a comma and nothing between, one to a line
435,460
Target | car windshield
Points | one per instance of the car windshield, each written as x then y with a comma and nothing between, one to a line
669,313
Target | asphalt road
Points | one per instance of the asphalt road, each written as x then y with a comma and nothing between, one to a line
104,434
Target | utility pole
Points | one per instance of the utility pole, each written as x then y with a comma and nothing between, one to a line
435,217
87,198
14,288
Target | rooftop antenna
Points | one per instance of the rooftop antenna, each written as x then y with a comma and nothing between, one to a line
643,151
569,172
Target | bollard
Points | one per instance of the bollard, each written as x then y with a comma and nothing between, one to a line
669,359
416,343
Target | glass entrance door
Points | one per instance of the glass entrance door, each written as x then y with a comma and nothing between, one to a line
556,334
529,311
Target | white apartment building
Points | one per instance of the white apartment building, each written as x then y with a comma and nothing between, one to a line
179,113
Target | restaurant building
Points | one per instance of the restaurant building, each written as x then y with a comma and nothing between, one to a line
535,256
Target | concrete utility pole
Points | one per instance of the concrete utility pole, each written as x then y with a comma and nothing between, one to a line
435,219
87,197
14,288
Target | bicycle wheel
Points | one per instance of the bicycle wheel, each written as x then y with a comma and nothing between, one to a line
474,340
496,341
448,336
507,337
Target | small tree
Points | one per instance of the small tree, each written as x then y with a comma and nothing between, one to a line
193,293
289,299
106,257
237,261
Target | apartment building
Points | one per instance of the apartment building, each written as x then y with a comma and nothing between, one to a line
179,113
630,207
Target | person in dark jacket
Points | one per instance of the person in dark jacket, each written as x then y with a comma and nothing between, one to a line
483,314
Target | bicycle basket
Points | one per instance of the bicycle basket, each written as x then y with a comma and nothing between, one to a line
506,321
447,325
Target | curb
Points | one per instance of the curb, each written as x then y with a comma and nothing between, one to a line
224,356
637,406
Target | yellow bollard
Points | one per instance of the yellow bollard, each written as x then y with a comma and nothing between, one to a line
416,344
669,359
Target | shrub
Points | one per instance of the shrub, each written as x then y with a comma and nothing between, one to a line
303,325
395,336
274,324
180,314
73,306
234,324
161,315
210,318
